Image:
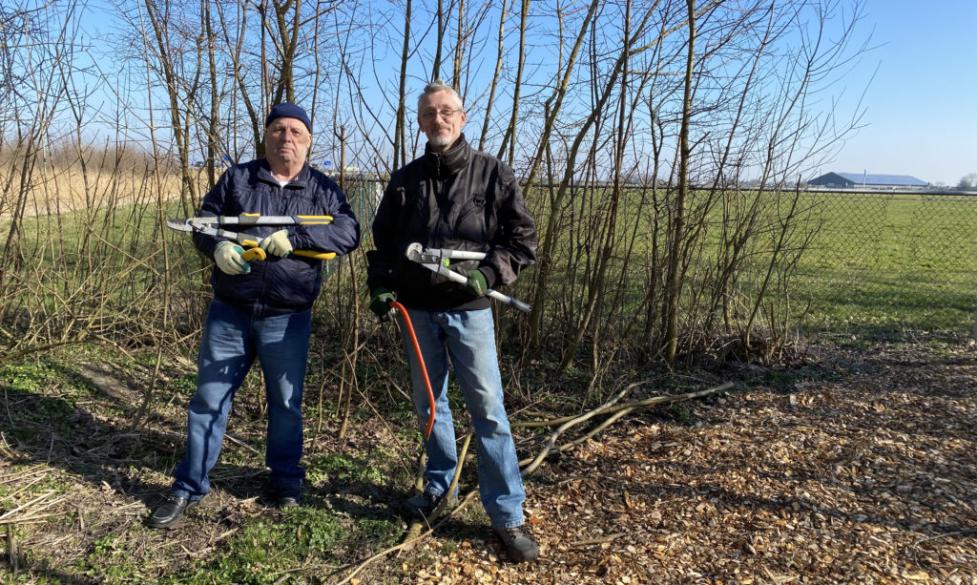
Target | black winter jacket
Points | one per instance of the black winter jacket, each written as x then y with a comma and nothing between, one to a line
460,199
278,286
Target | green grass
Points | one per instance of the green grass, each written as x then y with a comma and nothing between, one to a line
337,466
891,261
874,263
877,262
265,552
48,397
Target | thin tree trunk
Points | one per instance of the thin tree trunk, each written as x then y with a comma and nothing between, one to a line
673,286
459,48
603,259
436,66
212,139
495,78
510,133
180,132
400,134
550,234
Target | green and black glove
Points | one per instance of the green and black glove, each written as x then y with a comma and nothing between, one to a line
380,299
477,283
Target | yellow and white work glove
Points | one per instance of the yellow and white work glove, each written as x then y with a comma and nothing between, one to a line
277,244
229,260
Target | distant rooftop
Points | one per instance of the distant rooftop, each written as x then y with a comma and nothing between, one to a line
894,180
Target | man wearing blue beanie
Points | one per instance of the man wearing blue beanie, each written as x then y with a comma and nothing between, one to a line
287,110
262,310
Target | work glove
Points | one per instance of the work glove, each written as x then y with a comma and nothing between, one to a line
229,260
380,299
476,283
277,244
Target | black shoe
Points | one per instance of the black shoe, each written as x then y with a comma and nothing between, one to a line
430,507
519,542
281,499
283,502
169,513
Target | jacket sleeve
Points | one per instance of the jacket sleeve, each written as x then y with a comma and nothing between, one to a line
513,246
213,205
341,236
382,260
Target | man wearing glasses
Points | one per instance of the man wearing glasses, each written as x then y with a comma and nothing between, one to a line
458,198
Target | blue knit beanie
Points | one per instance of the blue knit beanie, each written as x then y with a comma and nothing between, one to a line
287,110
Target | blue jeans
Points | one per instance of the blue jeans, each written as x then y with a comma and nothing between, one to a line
231,341
468,339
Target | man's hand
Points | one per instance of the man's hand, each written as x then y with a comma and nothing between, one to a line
277,244
229,260
380,300
477,284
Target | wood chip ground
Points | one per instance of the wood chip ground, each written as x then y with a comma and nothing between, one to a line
864,473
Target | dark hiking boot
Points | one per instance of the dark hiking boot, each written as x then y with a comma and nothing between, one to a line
287,502
429,507
169,514
279,498
519,543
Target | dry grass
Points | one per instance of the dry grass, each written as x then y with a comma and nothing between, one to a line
67,188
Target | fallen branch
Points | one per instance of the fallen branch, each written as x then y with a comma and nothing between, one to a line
573,417
406,543
31,509
414,534
617,411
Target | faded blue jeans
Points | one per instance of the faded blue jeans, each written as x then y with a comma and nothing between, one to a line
468,339
231,341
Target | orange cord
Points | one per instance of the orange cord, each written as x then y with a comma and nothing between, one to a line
420,360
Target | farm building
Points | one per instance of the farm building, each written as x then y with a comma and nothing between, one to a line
852,180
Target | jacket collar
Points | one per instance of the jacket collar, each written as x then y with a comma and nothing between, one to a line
300,180
449,161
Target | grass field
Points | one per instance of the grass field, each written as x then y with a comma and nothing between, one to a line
877,263
891,261
856,263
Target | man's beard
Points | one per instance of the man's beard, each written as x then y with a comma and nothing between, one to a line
439,140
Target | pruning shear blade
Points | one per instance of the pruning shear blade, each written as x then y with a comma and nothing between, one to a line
434,260
208,225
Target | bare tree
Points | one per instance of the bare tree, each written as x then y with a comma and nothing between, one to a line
673,285
509,138
632,124
400,139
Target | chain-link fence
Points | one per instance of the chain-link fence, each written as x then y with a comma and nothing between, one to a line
891,260
871,260
363,194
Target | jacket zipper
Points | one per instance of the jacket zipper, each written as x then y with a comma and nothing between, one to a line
264,274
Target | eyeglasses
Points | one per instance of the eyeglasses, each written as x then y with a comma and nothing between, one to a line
443,112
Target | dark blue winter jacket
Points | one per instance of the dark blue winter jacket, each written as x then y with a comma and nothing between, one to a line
278,286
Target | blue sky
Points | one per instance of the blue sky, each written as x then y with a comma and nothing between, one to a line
921,106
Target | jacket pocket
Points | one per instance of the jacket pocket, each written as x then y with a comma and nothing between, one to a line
471,223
